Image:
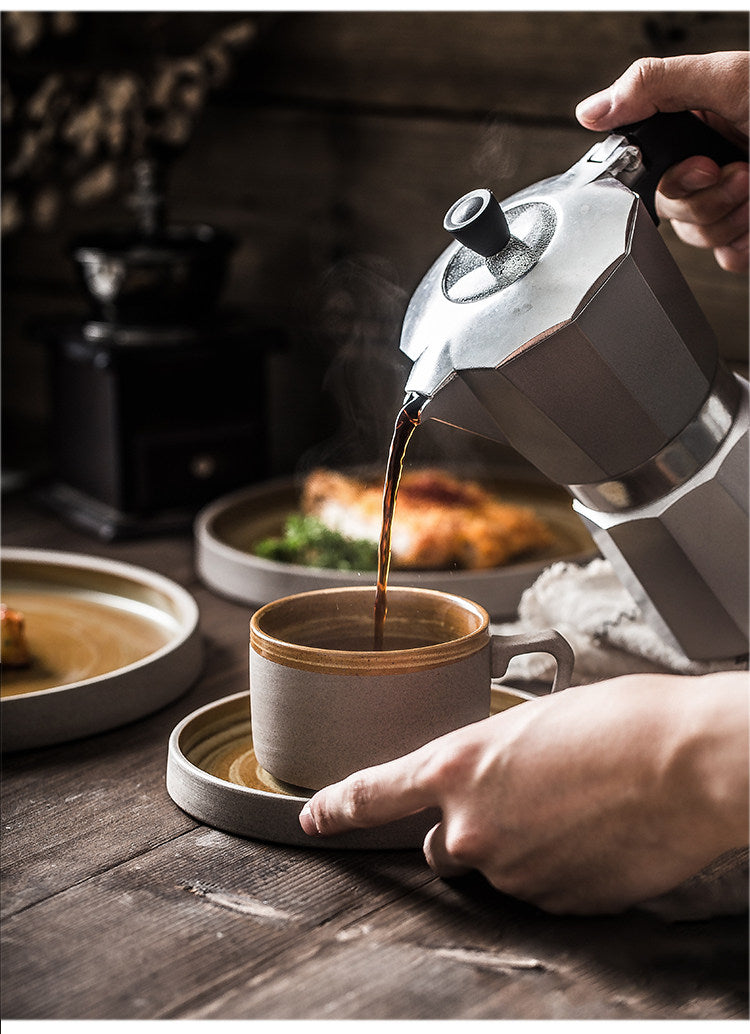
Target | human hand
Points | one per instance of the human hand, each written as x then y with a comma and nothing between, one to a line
707,205
586,801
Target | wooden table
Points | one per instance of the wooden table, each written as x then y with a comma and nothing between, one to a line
118,905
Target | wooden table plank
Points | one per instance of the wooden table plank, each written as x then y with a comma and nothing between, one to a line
117,905
214,926
111,785
191,918
639,971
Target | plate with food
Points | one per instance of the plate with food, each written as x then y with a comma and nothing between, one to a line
486,539
89,644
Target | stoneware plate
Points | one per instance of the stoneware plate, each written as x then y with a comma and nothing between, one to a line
226,530
109,643
213,775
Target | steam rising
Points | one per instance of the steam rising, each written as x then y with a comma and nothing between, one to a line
361,316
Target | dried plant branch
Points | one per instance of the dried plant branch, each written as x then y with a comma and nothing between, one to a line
79,135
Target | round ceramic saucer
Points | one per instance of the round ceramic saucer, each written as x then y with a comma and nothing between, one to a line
109,642
213,775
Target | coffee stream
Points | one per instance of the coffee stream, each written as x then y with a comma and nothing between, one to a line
406,423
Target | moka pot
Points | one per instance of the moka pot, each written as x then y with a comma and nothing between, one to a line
559,322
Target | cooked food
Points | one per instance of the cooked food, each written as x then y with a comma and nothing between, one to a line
307,541
15,651
440,521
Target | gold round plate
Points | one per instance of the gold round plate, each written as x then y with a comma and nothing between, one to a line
71,639
109,643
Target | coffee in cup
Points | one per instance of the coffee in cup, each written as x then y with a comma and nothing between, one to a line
325,703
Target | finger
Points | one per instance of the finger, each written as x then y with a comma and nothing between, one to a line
716,235
735,258
371,797
687,178
685,83
706,206
439,858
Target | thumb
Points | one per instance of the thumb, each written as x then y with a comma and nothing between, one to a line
702,82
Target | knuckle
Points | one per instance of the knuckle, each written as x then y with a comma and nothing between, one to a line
647,71
321,817
340,806
444,768
466,844
643,74
357,795
698,209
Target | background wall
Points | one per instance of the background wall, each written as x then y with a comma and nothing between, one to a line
333,153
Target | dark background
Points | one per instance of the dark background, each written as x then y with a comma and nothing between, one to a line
333,152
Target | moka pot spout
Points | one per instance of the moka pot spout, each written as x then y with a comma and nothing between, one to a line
559,323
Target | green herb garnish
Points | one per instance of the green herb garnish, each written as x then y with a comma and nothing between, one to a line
305,540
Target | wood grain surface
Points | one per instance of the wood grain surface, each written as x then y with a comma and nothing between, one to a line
333,156
116,905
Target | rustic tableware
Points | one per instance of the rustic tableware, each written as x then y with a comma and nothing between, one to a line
110,642
326,704
214,776
227,529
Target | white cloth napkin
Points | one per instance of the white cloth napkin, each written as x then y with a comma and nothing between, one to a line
601,621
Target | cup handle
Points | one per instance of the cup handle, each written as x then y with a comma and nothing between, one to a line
506,647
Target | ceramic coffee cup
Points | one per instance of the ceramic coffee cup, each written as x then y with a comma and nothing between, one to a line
325,704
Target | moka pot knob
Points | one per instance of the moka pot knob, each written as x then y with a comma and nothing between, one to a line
478,222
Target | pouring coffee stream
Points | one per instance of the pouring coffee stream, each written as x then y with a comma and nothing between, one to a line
559,323
407,422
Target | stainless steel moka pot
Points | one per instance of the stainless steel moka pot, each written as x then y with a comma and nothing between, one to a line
559,322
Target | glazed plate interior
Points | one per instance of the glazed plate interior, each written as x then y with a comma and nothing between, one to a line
108,643
213,775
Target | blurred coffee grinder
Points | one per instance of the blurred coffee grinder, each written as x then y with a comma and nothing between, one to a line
157,399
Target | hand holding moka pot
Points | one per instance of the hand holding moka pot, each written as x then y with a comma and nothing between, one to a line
560,323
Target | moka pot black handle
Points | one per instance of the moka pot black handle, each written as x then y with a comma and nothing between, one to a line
667,138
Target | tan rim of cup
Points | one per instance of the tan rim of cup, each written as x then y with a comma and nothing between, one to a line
382,662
